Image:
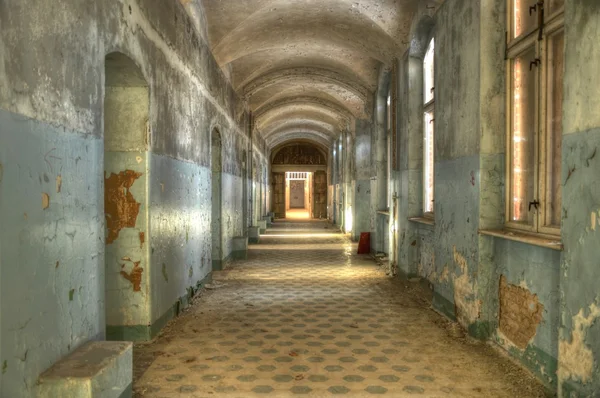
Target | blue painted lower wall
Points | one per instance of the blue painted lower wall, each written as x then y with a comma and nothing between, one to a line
52,258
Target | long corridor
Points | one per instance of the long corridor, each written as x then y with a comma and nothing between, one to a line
305,316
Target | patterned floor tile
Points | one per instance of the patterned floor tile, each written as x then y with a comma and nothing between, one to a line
305,316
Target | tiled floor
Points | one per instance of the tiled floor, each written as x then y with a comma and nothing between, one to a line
305,316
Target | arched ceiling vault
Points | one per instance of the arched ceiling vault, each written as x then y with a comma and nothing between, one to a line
299,136
308,68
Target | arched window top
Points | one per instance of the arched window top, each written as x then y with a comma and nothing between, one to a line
215,136
122,71
428,73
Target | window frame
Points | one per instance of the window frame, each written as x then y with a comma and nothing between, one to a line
388,125
428,108
553,25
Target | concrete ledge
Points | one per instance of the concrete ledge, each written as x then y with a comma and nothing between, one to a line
253,235
262,225
148,332
240,248
98,369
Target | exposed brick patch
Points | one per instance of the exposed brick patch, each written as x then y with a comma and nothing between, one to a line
520,313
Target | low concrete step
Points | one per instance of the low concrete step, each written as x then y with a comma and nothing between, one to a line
98,369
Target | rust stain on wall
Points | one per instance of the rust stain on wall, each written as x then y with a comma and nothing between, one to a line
135,276
520,313
120,206
142,239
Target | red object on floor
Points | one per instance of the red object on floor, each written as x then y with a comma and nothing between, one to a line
364,244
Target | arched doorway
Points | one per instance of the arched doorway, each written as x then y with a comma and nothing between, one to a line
299,179
126,140
216,222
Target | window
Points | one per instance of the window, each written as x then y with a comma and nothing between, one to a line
535,56
428,130
389,146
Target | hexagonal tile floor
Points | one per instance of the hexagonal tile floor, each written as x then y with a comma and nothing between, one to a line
305,316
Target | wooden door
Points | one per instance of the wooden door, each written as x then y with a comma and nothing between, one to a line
320,194
279,195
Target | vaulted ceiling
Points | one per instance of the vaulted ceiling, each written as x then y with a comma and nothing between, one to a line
307,68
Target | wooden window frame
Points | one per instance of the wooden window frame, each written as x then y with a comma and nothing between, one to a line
553,25
428,107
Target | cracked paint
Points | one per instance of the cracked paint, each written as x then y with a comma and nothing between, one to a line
120,206
576,359
58,183
142,239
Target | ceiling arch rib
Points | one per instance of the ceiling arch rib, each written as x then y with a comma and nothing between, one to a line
302,88
292,112
348,63
300,124
283,23
309,74
326,104
291,136
307,67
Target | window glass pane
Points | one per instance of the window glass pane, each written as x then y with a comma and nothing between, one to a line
522,21
428,77
522,138
554,136
428,163
389,171
388,111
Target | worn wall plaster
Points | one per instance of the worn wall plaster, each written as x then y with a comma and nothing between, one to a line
467,305
576,359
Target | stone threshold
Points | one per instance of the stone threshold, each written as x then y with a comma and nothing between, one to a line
531,239
422,220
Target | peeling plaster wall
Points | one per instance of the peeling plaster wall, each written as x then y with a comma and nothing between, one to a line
182,256
52,275
410,126
579,341
51,130
536,271
457,159
465,268
362,222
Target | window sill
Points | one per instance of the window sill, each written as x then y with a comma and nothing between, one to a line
531,239
422,220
